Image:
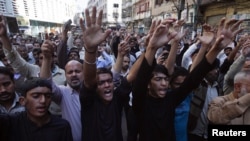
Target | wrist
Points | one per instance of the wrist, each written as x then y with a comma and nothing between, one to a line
151,47
90,50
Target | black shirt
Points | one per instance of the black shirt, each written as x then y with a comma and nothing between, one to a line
18,127
102,122
155,116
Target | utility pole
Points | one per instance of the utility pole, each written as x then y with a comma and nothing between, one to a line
196,14
180,8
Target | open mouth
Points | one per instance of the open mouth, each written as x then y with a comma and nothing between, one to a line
41,109
107,93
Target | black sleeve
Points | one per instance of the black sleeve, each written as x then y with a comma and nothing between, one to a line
123,90
114,45
67,133
192,81
4,127
87,97
225,66
62,54
139,88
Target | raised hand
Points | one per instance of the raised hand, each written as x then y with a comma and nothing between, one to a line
47,49
3,30
177,30
229,29
246,48
150,33
243,39
93,34
124,47
208,36
162,35
162,57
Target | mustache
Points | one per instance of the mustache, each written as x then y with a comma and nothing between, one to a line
5,93
75,78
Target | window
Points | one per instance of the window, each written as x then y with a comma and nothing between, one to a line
158,2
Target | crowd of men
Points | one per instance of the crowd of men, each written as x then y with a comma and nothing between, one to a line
74,87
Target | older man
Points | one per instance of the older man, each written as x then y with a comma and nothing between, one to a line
233,108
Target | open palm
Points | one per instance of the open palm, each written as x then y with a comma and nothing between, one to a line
93,34
177,30
229,30
208,36
3,31
161,35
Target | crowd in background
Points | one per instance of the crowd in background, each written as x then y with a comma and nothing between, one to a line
170,87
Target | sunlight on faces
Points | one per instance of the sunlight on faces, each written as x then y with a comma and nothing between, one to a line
105,87
158,85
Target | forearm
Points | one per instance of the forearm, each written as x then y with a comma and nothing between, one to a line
89,69
62,54
170,62
233,53
20,65
213,52
139,88
6,43
45,70
222,111
235,67
118,64
149,55
114,45
135,69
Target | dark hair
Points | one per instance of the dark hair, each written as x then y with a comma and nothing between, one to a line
2,56
75,51
159,69
178,71
34,82
37,49
7,71
103,70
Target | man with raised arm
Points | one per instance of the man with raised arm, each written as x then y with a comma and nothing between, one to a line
67,97
101,104
153,104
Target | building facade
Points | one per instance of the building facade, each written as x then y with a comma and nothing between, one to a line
112,11
237,9
36,16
